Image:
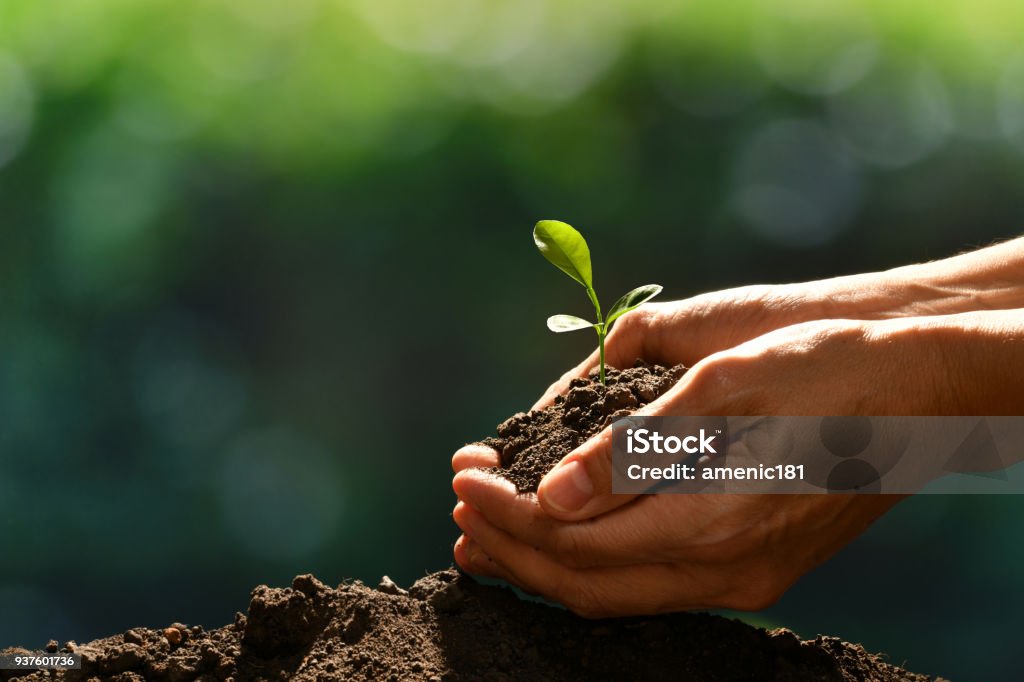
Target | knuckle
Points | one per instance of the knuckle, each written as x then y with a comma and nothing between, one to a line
717,374
728,382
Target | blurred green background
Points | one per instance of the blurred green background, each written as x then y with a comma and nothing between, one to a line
265,265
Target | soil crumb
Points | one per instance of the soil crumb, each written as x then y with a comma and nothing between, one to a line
532,443
448,627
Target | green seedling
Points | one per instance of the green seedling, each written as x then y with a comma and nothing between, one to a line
567,250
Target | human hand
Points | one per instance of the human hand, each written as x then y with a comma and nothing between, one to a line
602,554
682,332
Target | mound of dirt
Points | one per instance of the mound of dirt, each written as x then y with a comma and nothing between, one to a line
449,627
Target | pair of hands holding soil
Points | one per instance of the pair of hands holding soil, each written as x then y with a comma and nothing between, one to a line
929,339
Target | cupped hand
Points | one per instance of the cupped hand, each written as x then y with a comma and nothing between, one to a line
601,554
681,332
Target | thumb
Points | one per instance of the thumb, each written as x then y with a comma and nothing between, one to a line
580,486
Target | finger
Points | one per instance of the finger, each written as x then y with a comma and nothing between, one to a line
476,485
594,593
472,559
475,455
580,486
497,497
639,533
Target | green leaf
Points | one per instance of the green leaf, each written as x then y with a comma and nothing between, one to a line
631,301
566,248
567,323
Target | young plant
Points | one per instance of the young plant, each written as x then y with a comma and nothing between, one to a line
567,250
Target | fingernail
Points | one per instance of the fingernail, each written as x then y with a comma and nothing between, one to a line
568,487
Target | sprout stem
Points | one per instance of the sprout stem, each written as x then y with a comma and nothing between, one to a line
599,327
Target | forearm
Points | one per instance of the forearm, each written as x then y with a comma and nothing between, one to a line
689,330
987,279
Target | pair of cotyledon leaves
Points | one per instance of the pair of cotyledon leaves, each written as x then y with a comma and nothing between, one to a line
567,250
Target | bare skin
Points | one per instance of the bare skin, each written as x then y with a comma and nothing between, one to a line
931,339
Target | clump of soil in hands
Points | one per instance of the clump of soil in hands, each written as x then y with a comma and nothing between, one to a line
532,443
448,628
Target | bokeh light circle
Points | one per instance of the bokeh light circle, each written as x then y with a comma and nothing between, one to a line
17,108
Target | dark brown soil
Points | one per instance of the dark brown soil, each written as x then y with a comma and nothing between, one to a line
449,627
532,443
